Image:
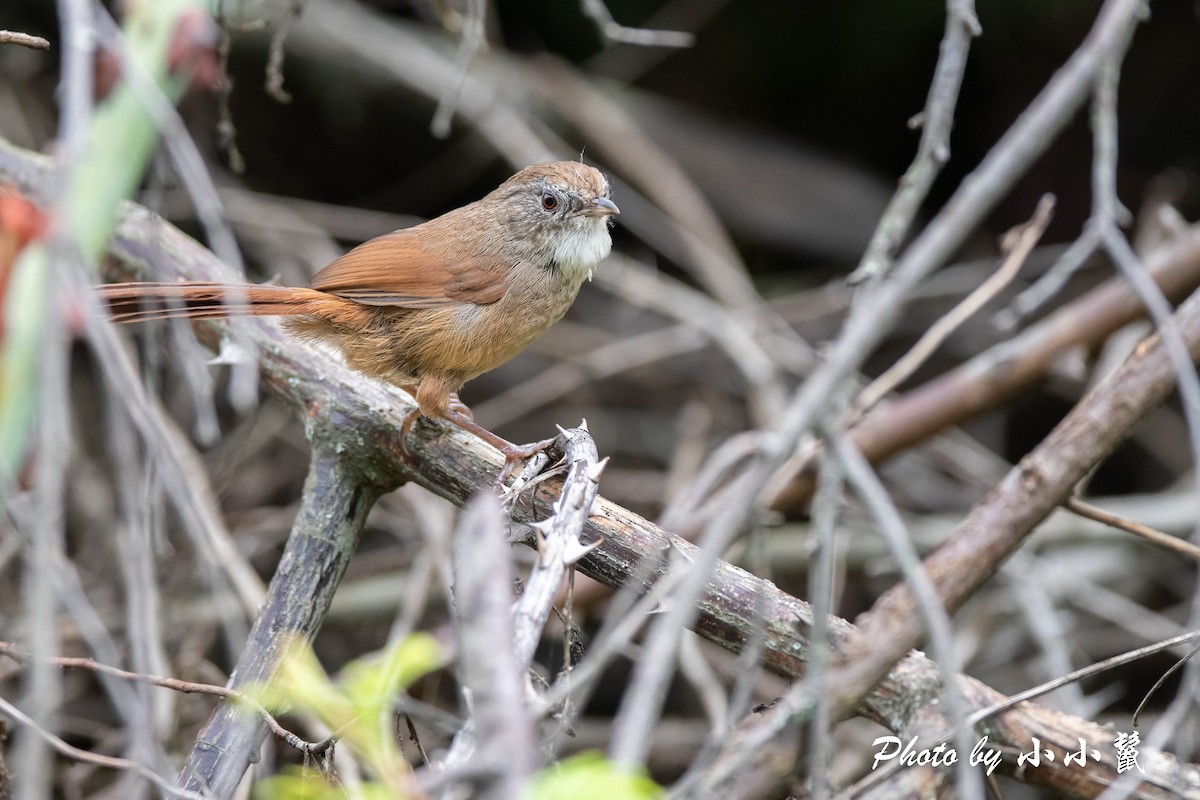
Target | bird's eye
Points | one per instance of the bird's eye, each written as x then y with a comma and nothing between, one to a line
549,202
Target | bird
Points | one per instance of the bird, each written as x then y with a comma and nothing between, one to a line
430,307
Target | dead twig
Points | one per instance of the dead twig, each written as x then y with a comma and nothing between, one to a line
24,40
1089,511
498,734
1023,240
176,685
468,48
558,540
276,54
87,757
615,32
933,152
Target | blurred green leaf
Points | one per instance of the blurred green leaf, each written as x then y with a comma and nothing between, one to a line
307,784
358,706
371,682
19,356
118,143
590,776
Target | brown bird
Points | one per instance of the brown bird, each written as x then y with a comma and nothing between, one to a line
430,307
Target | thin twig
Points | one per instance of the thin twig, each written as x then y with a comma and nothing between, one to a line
934,150
826,513
1089,511
24,40
695,668
1050,284
138,565
1081,674
174,684
226,129
1030,580
276,54
1161,680
87,757
934,617
611,30
468,48
1024,239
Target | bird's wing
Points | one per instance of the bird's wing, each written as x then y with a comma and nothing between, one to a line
397,270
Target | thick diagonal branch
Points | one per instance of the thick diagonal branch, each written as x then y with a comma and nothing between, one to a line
332,512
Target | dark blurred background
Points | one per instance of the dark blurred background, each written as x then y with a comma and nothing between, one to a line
832,82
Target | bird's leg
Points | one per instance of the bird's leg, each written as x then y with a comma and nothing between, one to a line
410,419
436,398
456,404
512,452
453,405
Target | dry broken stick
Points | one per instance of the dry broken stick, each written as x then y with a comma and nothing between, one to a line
558,539
498,735
24,39
497,638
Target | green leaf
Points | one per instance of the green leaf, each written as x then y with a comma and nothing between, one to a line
20,348
118,143
358,706
590,776
301,683
373,681
306,784
295,785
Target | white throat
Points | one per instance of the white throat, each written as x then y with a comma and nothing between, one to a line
585,247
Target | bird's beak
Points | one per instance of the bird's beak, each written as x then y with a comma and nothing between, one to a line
601,207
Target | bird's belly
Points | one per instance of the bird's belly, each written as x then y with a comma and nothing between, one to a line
491,335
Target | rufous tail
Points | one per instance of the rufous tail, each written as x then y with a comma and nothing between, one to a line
141,302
